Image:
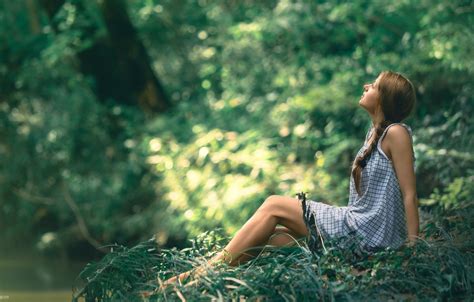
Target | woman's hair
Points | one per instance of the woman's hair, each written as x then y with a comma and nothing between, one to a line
397,99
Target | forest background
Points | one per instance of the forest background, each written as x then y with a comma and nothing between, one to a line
120,120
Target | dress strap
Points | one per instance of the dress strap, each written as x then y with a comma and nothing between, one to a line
371,130
385,132
404,125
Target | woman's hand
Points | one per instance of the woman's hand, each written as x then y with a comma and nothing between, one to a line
411,240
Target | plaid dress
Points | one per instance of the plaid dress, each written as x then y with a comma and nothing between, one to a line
376,218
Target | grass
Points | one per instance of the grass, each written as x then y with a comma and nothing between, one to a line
439,267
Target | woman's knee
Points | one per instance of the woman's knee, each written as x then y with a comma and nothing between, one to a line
270,205
287,211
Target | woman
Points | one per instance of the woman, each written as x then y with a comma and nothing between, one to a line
383,206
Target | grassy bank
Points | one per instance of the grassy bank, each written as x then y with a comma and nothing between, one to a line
439,267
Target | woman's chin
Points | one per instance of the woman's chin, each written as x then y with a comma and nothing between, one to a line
362,105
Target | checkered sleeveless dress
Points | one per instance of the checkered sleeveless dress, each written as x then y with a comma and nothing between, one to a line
376,218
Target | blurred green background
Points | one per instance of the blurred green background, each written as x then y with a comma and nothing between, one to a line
120,120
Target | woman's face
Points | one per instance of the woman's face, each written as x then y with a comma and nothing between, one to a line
371,97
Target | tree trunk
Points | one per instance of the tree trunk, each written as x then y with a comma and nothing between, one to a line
33,17
118,62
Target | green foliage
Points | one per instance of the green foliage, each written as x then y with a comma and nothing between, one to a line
264,99
456,195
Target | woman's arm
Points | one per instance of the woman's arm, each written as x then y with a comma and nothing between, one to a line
401,149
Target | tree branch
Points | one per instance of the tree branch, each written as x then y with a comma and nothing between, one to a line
80,220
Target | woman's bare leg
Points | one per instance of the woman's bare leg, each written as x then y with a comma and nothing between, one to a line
282,236
257,230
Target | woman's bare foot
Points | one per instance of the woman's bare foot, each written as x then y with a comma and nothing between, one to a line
163,285
198,271
180,279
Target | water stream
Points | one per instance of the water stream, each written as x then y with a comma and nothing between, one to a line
31,278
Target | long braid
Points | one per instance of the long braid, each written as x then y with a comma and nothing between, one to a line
361,161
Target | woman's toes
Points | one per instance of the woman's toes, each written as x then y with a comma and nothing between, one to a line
191,283
146,294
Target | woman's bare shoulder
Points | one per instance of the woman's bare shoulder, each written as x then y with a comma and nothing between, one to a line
399,143
399,134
